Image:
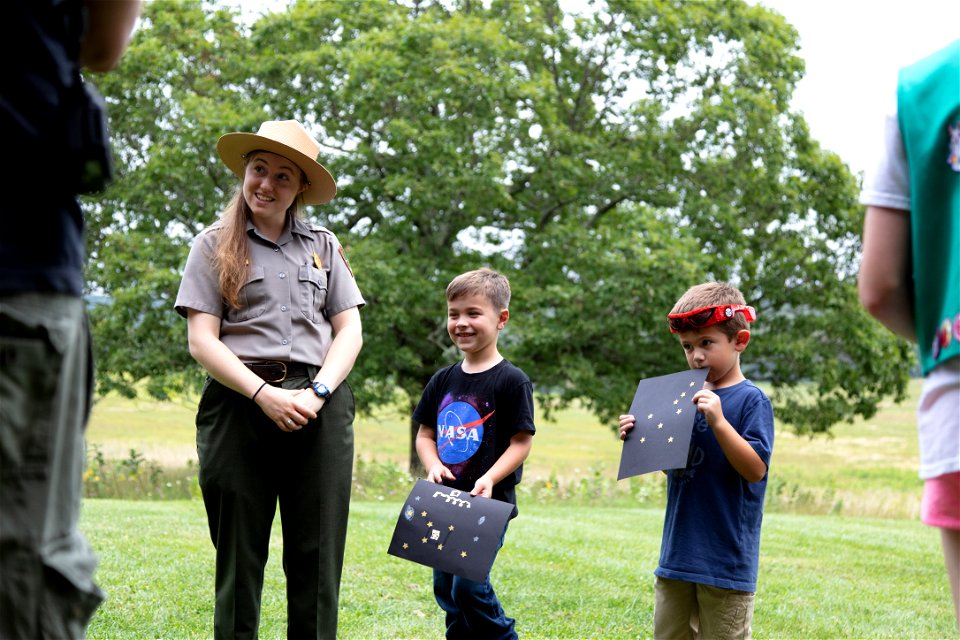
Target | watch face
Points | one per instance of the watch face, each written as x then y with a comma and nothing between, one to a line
321,389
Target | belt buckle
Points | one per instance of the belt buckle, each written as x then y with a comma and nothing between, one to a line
283,376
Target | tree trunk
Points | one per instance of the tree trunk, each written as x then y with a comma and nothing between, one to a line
416,469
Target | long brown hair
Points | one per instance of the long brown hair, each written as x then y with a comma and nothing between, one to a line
232,257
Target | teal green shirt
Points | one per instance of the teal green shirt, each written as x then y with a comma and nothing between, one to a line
928,108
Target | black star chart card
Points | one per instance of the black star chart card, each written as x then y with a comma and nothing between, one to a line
450,530
660,439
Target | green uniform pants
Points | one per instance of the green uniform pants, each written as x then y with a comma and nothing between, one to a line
46,566
247,466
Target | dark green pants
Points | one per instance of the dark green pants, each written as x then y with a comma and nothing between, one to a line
247,466
46,378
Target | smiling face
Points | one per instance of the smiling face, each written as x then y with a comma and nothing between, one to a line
474,324
710,347
271,183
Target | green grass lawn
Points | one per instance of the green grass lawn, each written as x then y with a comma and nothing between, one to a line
578,563
868,468
566,571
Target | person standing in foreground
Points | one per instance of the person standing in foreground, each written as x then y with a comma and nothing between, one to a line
910,274
710,551
493,399
273,315
46,369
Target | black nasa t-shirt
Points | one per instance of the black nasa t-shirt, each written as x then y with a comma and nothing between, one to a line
475,415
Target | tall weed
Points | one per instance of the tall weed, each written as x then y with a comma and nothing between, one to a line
136,478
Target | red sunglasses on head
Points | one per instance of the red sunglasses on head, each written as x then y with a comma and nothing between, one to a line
706,316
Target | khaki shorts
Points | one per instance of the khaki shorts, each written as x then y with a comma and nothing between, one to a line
689,610
46,377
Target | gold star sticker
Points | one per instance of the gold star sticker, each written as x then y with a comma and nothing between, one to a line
451,527
642,440
660,426
430,524
423,540
423,514
675,401
691,384
679,411
463,554
649,416
405,545
683,395
440,547
670,439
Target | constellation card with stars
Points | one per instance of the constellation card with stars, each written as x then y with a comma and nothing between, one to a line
664,414
450,530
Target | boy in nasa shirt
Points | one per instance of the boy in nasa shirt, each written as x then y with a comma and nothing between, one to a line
476,429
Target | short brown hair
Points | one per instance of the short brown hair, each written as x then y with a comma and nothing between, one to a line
484,281
711,294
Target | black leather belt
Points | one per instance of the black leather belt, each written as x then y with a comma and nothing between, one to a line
278,370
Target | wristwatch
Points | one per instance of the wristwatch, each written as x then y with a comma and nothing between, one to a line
321,390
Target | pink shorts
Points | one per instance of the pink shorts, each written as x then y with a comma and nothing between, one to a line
940,506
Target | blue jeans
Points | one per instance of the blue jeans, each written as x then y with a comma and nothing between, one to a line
472,608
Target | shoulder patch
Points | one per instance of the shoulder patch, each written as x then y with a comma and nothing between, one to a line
345,261
954,158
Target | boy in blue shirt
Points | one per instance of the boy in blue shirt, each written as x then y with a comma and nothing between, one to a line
709,554
476,429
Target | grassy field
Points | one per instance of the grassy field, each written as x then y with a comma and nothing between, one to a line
566,571
842,552
867,468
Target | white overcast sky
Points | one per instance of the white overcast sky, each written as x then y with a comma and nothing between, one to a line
852,49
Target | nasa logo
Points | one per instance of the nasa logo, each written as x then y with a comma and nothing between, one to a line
459,432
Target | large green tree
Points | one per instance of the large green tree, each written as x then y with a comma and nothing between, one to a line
604,161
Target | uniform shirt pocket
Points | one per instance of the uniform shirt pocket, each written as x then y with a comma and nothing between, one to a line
313,292
253,297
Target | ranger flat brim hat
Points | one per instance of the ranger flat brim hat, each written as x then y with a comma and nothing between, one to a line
286,138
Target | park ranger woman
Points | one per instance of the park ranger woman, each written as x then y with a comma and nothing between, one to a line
273,316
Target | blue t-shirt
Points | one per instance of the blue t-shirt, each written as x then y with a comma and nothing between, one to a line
711,530
475,416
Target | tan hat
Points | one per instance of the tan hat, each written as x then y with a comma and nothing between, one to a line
286,138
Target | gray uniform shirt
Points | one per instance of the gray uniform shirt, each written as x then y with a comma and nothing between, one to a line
293,287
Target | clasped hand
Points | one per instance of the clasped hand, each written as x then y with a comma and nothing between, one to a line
289,409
